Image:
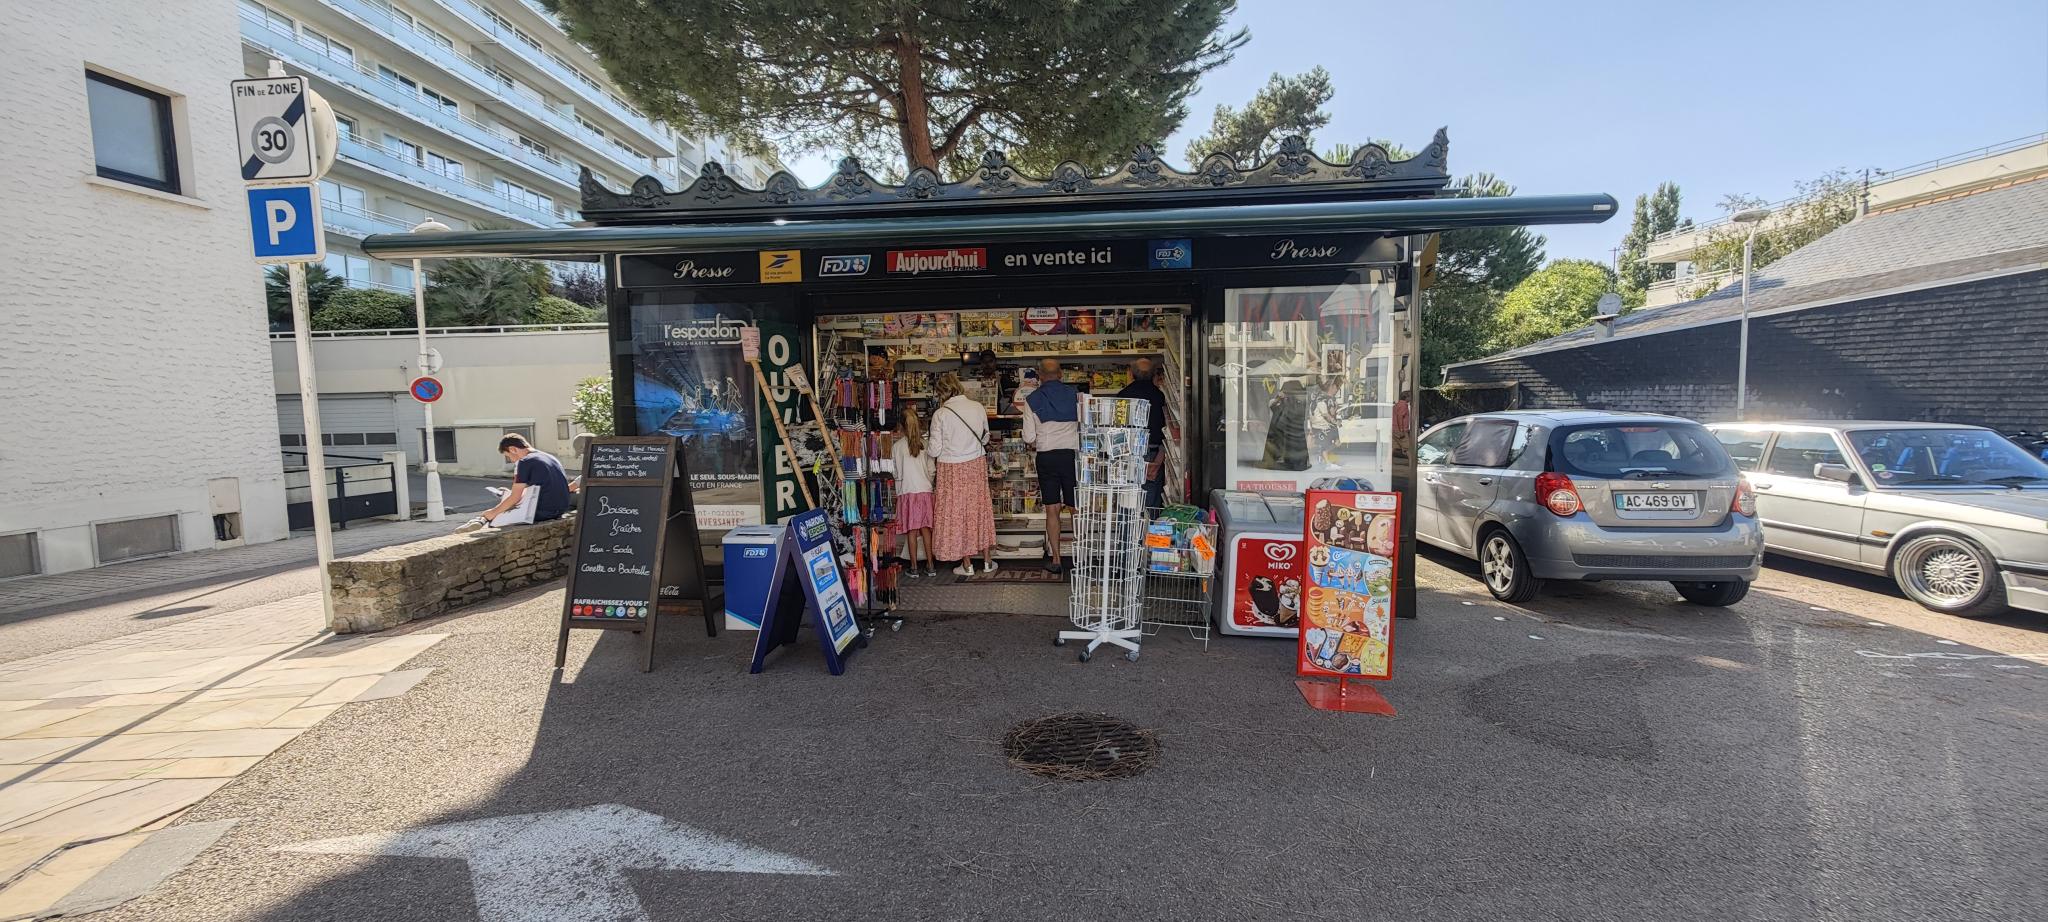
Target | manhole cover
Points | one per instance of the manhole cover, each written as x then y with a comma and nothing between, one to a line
1080,747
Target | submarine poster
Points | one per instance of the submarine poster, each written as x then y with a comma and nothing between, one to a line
690,381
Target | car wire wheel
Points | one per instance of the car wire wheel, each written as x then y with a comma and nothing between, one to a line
1947,575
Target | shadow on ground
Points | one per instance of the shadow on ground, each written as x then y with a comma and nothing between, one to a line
1570,776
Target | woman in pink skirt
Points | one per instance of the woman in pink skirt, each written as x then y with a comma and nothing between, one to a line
913,490
964,520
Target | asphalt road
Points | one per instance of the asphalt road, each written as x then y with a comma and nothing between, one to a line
1823,750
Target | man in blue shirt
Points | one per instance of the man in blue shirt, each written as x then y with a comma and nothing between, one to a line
532,470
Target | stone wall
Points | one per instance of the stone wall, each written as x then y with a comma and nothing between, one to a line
390,586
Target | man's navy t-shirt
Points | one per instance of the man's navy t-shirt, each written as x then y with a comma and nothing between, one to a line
541,471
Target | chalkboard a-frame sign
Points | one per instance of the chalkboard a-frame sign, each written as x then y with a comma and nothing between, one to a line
627,511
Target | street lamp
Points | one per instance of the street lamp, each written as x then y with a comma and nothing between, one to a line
435,510
1752,217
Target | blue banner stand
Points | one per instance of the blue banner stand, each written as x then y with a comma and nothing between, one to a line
807,579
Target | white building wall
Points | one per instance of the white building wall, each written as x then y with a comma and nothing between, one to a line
494,381
131,351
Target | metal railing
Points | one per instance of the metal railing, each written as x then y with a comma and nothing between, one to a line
378,156
409,101
584,85
511,328
338,479
1878,176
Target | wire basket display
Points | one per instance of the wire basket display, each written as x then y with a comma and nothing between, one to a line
1108,595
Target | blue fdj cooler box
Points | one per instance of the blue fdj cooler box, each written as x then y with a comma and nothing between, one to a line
750,554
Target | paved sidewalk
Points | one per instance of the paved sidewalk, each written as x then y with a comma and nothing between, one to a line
39,592
102,745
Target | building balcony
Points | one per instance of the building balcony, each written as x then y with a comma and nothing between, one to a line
375,17
396,98
358,223
1674,290
645,133
461,188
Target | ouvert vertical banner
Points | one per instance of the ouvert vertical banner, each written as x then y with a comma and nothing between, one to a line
782,347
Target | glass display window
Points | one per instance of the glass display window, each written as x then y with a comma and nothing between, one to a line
1304,379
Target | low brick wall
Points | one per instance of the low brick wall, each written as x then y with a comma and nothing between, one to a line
390,586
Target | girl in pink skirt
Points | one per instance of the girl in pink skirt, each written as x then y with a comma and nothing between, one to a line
913,490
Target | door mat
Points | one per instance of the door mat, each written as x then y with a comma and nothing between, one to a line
1029,572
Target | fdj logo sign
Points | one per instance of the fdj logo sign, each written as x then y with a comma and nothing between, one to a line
843,266
1170,254
782,266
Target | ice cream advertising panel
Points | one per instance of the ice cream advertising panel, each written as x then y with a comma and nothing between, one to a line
1348,602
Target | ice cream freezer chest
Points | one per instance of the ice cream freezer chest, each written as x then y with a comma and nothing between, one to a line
1257,591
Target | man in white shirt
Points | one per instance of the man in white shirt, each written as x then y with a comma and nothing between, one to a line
1052,428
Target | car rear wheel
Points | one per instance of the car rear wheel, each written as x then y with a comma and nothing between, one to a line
1504,569
1948,574
1717,593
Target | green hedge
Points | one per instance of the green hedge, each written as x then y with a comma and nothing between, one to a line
364,309
551,309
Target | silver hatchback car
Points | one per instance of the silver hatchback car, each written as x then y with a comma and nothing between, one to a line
1589,495
1956,515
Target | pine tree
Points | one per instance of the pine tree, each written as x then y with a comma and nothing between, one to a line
920,84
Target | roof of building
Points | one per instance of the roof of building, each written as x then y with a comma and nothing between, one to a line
1293,172
1988,233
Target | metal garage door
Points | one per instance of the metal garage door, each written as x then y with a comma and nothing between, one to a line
353,425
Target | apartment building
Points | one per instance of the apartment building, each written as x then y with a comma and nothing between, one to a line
1966,173
137,414
467,112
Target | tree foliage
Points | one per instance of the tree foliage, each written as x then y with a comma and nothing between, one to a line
916,83
1475,269
550,309
591,407
1560,297
1656,213
1821,205
484,292
277,292
1284,106
582,285
364,309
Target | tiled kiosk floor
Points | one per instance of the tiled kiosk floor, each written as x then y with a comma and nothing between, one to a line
102,746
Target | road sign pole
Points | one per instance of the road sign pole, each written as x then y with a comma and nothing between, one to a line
436,511
316,457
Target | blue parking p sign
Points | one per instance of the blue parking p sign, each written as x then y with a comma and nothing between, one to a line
284,223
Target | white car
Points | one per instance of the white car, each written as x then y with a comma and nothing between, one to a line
1957,516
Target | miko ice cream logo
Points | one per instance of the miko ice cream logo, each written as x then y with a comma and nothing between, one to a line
1280,552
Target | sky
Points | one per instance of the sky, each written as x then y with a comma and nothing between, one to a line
1724,97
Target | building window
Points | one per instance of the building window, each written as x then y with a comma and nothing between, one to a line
405,150
588,126
344,197
401,276
132,138
434,96
445,166
411,86
345,127
275,20
355,269
444,444
18,555
435,37
533,145
134,538
524,196
329,47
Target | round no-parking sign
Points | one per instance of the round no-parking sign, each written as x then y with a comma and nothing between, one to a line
426,389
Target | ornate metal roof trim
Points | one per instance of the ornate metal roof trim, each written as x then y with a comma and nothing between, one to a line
995,181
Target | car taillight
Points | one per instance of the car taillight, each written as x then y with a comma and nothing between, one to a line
1745,497
1556,493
